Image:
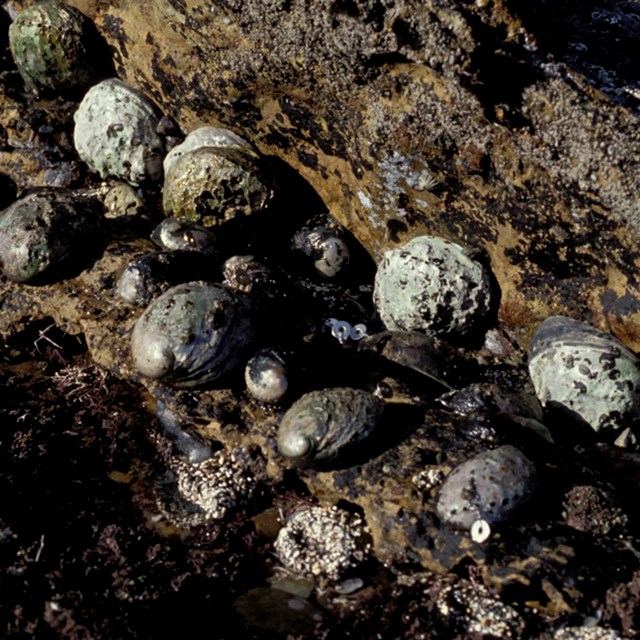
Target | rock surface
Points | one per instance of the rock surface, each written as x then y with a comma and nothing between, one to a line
510,128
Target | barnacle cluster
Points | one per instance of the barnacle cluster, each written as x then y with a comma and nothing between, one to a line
322,543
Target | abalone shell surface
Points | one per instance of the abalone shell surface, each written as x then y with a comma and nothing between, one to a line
192,334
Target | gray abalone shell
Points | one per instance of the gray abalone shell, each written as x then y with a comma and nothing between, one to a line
192,334
321,424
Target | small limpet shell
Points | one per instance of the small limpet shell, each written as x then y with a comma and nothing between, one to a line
116,133
431,285
266,376
322,424
180,235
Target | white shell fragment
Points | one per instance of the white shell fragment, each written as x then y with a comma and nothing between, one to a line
321,543
488,487
431,285
585,373
115,133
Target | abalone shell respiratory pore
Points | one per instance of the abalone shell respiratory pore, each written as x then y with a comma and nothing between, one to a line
584,373
322,424
192,334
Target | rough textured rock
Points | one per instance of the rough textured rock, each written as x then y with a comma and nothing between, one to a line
512,128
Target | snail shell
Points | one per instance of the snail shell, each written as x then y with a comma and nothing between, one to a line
211,185
321,424
45,230
585,373
325,246
115,133
266,376
204,137
433,286
192,334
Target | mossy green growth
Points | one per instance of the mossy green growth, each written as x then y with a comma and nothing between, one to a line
50,44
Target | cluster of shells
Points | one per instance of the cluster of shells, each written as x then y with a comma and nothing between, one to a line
204,315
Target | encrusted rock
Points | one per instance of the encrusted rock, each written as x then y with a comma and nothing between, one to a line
195,494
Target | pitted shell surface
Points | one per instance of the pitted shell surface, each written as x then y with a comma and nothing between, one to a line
204,137
115,133
584,372
211,185
52,47
489,487
321,424
431,285
192,334
44,230
322,543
